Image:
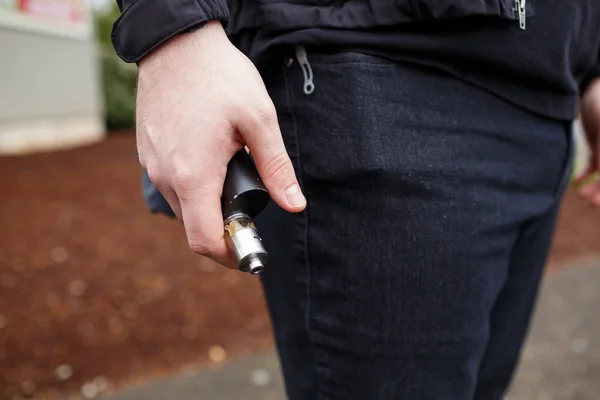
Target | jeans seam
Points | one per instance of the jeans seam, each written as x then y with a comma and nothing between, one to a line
354,63
308,274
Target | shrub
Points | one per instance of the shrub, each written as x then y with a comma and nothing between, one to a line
118,78
118,85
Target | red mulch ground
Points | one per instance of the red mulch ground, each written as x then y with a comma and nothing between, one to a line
88,278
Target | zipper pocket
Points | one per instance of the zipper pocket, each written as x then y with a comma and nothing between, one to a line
309,85
521,11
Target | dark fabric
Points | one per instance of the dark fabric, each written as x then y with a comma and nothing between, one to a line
543,69
362,14
145,24
155,201
431,204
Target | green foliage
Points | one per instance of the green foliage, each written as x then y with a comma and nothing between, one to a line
118,78
104,22
119,81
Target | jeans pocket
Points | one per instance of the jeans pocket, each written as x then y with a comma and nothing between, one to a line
325,57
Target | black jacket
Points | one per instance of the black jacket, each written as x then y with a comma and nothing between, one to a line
144,24
543,68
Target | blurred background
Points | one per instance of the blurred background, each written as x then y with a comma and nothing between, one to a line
99,298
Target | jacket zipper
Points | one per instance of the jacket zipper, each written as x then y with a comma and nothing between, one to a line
521,10
309,85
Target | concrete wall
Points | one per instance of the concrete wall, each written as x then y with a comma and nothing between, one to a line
49,91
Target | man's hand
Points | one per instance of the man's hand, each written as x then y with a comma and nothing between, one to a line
199,100
590,116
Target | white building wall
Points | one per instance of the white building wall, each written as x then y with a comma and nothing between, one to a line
49,85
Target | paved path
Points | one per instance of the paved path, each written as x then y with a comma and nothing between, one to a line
561,360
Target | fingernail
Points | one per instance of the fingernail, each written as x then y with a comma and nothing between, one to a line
294,196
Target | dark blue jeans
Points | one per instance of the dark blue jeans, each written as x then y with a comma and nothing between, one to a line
414,270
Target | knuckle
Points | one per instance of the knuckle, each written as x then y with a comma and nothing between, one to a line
154,175
182,180
264,115
202,247
279,166
142,161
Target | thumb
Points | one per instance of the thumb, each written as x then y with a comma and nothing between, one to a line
263,138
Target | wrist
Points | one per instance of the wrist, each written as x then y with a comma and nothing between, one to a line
188,43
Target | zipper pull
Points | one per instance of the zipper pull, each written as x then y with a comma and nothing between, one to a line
309,85
521,9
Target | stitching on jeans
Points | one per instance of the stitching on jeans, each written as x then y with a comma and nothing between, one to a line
351,57
305,238
355,63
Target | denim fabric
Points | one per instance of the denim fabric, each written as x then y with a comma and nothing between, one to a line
413,272
155,201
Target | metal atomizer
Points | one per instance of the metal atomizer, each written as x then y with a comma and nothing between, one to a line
244,197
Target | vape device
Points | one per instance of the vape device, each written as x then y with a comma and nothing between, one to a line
244,197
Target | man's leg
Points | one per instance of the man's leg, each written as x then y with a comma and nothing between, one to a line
417,186
512,312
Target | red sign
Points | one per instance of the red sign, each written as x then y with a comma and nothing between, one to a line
55,10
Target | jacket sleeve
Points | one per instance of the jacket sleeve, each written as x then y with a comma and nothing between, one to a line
145,24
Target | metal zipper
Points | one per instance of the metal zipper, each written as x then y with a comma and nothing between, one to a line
309,85
521,10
